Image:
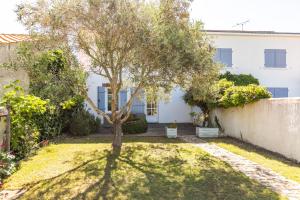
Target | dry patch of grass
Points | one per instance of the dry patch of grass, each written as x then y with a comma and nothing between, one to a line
146,168
277,163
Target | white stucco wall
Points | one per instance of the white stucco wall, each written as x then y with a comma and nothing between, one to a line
7,76
273,124
175,109
248,57
169,111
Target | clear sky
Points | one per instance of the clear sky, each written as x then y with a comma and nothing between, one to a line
270,15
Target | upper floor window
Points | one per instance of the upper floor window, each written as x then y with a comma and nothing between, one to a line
224,56
275,58
279,92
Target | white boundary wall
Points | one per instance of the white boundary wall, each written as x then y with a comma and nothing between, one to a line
273,124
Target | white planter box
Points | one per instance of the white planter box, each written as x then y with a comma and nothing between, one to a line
207,132
171,132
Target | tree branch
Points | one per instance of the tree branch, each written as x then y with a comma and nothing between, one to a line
100,112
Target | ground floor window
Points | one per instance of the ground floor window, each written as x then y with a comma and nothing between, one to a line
151,108
109,99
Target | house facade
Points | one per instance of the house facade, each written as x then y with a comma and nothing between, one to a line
272,57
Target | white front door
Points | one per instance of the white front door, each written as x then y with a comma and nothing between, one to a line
152,112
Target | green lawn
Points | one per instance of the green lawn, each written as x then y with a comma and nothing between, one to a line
266,158
146,168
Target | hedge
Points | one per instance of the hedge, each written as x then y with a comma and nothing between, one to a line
135,124
241,95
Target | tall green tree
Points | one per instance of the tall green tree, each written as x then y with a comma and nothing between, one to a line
145,44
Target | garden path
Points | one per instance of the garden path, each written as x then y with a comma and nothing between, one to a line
263,175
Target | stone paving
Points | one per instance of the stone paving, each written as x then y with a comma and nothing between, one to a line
10,194
263,175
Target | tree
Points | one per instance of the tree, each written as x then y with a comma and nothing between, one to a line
144,44
206,98
241,90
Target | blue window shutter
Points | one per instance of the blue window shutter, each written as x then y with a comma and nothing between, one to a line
270,57
272,90
217,57
280,58
101,98
281,92
138,104
226,56
123,98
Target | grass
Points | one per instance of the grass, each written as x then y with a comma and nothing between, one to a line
277,163
146,168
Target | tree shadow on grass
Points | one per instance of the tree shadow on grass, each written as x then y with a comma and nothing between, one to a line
103,185
151,171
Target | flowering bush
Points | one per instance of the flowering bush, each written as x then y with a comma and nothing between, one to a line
237,91
7,165
241,95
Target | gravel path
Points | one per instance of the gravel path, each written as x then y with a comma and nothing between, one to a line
263,175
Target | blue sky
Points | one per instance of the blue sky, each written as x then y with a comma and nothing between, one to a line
270,15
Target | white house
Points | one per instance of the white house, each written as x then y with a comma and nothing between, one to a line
272,57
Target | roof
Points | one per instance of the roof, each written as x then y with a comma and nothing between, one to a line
12,38
3,112
238,32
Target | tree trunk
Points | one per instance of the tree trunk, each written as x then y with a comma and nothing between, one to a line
117,131
206,120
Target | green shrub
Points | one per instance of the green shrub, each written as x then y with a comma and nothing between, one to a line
240,79
135,124
230,91
55,75
83,123
241,95
7,165
26,113
172,125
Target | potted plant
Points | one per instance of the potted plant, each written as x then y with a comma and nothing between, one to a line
201,120
171,130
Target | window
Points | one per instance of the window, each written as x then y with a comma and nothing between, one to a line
109,98
224,56
151,108
279,92
275,58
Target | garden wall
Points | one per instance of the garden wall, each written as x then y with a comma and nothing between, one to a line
273,124
7,52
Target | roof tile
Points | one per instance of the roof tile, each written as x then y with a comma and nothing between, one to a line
12,38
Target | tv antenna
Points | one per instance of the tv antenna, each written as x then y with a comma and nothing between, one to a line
241,24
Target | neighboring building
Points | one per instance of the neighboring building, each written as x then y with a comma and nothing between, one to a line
272,57
8,45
